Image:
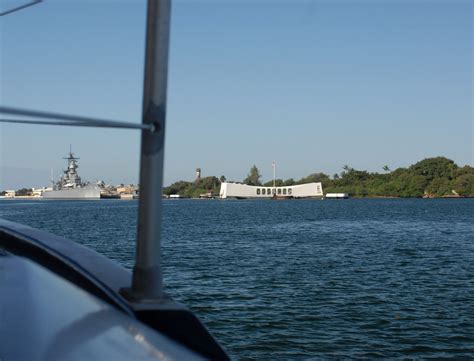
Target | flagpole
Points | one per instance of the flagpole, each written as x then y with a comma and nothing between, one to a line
274,166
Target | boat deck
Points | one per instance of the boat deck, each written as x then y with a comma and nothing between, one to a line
72,307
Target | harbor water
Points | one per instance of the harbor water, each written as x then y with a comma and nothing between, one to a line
301,279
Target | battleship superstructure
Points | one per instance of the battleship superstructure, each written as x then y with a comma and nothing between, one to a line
70,185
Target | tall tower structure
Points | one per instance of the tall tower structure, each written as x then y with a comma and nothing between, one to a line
198,173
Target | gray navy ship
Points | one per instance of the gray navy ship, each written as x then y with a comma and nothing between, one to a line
70,185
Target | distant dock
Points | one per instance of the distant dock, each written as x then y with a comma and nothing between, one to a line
336,196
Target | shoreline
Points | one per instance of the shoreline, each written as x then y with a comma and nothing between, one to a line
36,198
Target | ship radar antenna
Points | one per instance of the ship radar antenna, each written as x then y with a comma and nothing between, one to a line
71,155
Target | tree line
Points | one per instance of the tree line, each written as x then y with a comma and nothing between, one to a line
431,177
20,192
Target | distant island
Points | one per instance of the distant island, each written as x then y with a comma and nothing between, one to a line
429,178
437,177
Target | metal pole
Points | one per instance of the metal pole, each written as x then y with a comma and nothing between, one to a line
147,282
66,119
20,7
274,166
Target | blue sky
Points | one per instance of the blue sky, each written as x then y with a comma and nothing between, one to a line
313,85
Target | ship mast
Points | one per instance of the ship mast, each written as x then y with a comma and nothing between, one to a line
70,178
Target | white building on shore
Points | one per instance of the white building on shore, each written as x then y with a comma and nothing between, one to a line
10,193
236,190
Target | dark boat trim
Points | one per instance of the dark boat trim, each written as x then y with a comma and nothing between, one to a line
87,269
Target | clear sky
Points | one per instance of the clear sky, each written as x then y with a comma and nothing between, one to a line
313,85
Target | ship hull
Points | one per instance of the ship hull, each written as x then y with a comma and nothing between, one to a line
87,192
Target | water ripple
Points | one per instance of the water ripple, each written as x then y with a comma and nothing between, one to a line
357,279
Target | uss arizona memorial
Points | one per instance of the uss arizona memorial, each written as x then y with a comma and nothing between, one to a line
237,190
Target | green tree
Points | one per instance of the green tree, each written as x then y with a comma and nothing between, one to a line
439,187
177,188
346,170
253,178
464,185
463,170
278,183
222,178
439,167
24,192
386,168
412,186
314,177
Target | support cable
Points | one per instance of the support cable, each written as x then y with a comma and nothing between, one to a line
67,120
34,2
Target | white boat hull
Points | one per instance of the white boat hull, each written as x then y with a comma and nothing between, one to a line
87,192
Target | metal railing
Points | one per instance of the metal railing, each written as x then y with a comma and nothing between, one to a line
66,119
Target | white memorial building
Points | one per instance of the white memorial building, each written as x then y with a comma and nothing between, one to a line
236,190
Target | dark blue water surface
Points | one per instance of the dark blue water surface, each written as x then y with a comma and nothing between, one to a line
302,279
